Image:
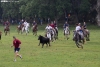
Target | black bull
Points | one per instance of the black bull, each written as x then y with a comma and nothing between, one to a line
43,40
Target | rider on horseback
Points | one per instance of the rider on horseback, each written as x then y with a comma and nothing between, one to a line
55,26
33,23
20,24
78,30
7,24
64,26
25,23
84,26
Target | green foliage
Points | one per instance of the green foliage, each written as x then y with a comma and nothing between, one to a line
84,6
10,9
54,9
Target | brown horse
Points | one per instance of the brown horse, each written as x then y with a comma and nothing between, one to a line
19,28
35,29
6,30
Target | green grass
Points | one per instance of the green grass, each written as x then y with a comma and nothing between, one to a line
62,53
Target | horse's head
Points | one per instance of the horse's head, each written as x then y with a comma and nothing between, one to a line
39,37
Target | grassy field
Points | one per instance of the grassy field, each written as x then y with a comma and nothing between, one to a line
62,53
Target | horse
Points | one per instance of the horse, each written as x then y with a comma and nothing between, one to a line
48,34
25,28
34,29
86,34
67,32
19,29
79,40
6,30
56,33
53,34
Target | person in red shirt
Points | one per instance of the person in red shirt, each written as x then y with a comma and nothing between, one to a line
52,25
16,45
0,34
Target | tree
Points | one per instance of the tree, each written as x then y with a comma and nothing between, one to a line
10,9
98,10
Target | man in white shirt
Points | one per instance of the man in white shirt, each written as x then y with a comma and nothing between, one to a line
48,27
27,27
79,30
25,23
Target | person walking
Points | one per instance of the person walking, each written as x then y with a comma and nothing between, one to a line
16,45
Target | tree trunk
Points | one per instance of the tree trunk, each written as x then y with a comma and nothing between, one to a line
98,11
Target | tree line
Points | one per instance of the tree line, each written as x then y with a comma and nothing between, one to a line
73,10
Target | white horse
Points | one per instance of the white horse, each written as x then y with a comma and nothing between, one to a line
48,33
26,28
67,32
51,34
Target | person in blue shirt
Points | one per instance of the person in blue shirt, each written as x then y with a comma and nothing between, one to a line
33,23
65,25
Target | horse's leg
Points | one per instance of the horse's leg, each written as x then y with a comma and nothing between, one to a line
26,32
89,36
18,31
67,36
4,30
22,30
42,45
77,44
35,33
9,32
39,44
77,40
5,33
52,38
57,34
49,43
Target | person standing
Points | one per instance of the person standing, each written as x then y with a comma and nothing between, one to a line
16,45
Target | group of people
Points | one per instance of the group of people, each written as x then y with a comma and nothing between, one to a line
49,27
79,28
